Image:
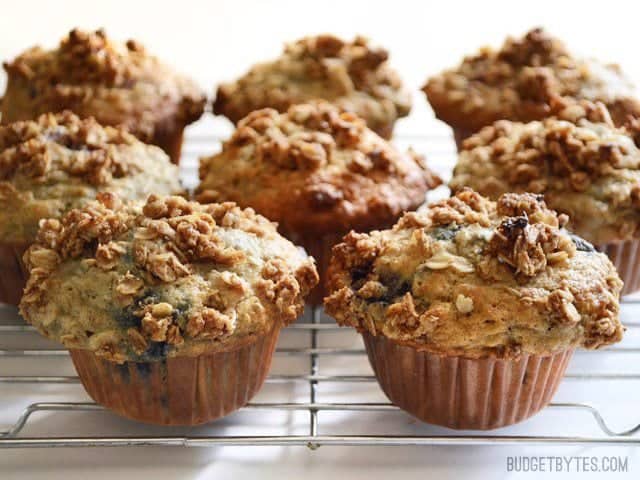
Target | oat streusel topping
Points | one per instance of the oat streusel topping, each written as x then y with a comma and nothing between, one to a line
315,168
94,76
59,161
168,277
472,277
584,165
353,75
518,82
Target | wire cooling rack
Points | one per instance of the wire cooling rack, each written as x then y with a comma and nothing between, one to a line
321,390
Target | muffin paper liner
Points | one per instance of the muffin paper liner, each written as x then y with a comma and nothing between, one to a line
13,275
460,135
625,256
170,141
319,247
463,393
178,390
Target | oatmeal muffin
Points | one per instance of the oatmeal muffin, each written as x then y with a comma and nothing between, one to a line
58,162
316,171
117,84
584,166
170,309
352,75
470,310
518,82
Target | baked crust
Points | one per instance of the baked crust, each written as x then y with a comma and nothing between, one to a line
59,161
584,166
94,76
474,278
352,75
165,278
315,170
518,82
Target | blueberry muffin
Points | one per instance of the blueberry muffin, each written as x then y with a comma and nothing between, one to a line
170,309
470,310
316,171
352,75
518,81
584,165
115,83
58,162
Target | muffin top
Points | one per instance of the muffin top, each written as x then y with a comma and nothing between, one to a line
315,169
475,278
95,76
518,81
353,75
57,162
584,166
145,281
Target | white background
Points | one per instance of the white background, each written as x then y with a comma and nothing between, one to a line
218,40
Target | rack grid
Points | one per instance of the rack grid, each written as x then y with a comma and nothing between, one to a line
311,352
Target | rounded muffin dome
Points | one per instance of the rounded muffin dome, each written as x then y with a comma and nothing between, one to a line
352,75
59,161
315,169
146,281
519,80
474,278
584,165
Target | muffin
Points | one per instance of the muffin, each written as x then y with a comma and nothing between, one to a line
170,309
58,162
316,171
470,310
518,82
117,84
352,75
584,166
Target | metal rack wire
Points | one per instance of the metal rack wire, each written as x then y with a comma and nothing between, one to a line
311,351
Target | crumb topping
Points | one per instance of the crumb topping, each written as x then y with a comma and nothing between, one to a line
527,286
520,80
54,163
95,76
353,75
583,164
314,167
170,277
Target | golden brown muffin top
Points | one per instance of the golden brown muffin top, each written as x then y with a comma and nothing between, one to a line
89,73
353,75
584,166
518,81
472,277
169,277
60,161
315,169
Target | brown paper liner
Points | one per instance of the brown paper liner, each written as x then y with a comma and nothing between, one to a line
319,247
179,390
625,256
13,275
170,141
460,135
462,393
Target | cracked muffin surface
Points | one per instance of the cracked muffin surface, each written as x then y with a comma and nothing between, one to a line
518,81
472,277
119,84
584,165
59,161
315,169
352,75
145,281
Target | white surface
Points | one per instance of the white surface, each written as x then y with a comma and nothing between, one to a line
214,41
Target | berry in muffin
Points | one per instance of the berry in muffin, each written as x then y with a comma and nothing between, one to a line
470,309
352,75
118,84
170,309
